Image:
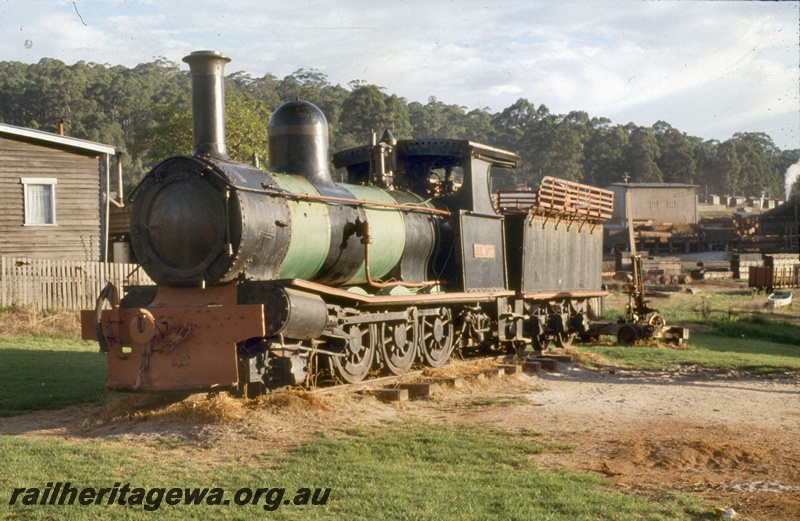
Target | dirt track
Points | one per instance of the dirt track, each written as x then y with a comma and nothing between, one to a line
730,438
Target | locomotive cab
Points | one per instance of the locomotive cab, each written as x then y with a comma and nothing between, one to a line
453,170
455,174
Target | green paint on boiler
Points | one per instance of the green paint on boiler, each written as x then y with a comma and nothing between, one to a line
310,227
387,229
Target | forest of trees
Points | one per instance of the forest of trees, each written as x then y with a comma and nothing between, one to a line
145,112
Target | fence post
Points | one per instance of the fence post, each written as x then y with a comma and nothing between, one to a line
59,284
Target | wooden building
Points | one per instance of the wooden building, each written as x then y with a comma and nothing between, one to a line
54,195
779,228
656,202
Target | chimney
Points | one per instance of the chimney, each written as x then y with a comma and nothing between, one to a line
208,103
60,126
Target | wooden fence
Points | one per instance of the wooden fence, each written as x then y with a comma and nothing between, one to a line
57,284
774,277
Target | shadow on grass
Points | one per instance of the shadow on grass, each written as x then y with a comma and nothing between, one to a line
779,332
754,342
713,353
32,380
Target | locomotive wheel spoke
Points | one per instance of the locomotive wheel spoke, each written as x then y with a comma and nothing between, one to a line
437,338
565,339
359,352
540,342
398,346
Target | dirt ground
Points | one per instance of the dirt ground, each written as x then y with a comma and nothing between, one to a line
730,438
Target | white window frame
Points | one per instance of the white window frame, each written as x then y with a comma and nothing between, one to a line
46,181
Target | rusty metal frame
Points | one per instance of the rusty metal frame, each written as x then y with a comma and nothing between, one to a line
561,200
357,299
184,340
551,295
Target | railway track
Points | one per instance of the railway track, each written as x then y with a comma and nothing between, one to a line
423,383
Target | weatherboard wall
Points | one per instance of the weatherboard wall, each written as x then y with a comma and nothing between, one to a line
76,232
657,202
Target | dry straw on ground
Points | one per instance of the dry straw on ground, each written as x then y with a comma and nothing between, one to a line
29,321
216,408
459,368
292,401
211,408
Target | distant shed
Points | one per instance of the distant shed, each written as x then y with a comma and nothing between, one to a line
779,228
53,195
657,202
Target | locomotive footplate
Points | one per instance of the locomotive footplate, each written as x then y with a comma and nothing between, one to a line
184,340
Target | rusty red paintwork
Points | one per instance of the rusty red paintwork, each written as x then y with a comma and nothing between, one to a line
184,340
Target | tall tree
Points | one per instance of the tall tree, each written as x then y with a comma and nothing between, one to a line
604,151
758,173
554,148
111,104
170,133
435,119
511,126
709,179
367,109
641,155
513,122
479,126
677,155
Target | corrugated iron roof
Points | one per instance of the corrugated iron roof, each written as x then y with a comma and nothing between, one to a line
45,138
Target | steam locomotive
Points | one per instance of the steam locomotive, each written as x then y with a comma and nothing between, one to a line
263,277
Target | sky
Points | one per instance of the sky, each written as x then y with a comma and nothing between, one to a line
708,68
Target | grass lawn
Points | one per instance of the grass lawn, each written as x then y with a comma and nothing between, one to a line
46,372
410,471
729,331
707,349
